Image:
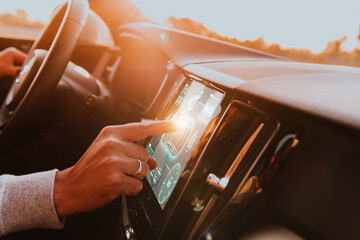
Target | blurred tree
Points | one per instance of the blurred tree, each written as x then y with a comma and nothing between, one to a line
21,15
334,48
19,19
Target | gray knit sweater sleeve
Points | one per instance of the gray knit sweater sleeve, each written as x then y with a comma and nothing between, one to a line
27,202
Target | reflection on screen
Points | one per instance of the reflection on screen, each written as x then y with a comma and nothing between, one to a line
194,107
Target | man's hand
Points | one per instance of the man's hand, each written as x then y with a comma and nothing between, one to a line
11,60
107,168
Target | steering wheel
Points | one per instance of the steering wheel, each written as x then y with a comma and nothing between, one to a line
43,69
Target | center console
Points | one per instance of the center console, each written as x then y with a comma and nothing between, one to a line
201,165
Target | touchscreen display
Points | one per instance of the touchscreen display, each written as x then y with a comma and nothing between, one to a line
193,108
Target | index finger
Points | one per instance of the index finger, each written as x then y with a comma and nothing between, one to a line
136,131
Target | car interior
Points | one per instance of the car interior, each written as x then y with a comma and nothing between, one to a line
269,147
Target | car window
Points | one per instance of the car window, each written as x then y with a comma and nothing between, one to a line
24,19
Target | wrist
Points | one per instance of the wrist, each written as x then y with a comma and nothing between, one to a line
62,198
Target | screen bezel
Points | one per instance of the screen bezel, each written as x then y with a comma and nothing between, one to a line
155,215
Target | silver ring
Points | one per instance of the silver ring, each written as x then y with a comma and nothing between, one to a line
139,169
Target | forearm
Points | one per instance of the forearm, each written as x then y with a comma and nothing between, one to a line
27,202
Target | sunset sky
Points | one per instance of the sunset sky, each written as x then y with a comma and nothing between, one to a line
301,24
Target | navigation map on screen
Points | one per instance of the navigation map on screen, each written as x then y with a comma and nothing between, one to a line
193,108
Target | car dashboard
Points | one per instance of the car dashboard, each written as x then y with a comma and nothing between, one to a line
256,130
267,147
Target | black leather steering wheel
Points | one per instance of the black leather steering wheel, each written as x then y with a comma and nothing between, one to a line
44,66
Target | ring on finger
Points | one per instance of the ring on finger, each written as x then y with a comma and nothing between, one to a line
139,169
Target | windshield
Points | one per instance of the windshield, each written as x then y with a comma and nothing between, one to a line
24,19
319,31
